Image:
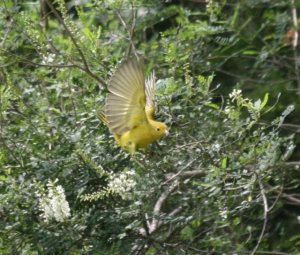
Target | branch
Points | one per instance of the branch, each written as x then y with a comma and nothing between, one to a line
291,198
86,66
172,176
157,207
151,226
292,163
192,173
295,43
5,146
293,127
130,30
295,24
27,61
69,32
266,210
272,253
279,194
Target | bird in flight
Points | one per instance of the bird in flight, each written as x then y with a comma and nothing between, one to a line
129,108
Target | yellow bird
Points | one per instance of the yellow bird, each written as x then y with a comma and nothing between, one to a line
130,107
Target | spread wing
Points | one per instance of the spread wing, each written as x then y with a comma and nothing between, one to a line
150,95
125,104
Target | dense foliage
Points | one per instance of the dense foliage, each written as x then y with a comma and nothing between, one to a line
226,179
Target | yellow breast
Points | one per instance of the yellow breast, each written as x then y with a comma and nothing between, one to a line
139,137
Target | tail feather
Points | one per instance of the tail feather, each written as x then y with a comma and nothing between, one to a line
102,117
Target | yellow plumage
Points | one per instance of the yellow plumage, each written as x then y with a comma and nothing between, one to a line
130,107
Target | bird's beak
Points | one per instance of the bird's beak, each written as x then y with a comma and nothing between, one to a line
166,132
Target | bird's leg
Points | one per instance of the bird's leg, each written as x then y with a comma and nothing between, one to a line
136,161
131,147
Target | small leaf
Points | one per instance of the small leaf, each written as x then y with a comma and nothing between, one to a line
3,177
250,52
224,163
214,106
265,101
186,233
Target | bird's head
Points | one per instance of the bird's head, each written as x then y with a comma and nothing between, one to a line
160,129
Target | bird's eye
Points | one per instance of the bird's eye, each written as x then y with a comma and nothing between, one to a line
158,129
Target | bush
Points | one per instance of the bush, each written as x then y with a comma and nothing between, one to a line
219,184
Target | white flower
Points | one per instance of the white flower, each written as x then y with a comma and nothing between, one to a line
122,183
235,94
48,59
53,203
227,109
216,147
224,213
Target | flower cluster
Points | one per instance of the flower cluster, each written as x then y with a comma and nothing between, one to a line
235,94
53,203
48,59
122,183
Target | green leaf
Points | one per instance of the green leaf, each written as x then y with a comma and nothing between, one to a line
265,101
186,233
224,162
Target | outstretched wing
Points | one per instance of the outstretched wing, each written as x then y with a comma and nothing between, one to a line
125,104
150,95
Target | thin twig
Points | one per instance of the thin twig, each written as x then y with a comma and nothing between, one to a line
173,176
295,24
83,58
292,163
73,65
266,210
69,32
279,195
197,172
130,31
3,142
153,225
6,33
272,253
291,198
295,43
245,78
72,100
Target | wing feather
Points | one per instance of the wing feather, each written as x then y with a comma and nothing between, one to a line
150,95
125,104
